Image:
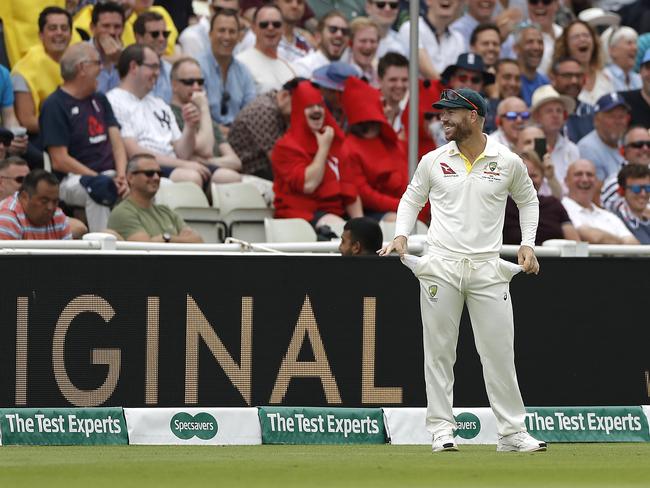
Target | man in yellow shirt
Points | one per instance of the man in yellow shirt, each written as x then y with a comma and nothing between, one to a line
37,74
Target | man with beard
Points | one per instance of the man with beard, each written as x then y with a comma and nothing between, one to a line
467,182
568,77
332,38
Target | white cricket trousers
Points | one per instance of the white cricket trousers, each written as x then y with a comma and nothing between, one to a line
447,281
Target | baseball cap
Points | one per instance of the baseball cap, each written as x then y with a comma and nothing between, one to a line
468,61
609,102
333,75
6,136
462,98
101,188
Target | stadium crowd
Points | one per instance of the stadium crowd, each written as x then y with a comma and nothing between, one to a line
308,101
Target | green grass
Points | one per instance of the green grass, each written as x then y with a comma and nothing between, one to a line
570,465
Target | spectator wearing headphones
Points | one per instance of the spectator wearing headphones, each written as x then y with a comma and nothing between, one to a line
601,145
550,111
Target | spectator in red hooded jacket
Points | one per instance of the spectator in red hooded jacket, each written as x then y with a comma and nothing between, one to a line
378,160
311,179
429,93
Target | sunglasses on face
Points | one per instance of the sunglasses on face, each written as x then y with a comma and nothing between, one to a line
453,95
391,5
265,24
152,66
639,144
334,29
537,2
225,98
636,189
474,79
17,179
157,34
191,81
516,115
149,173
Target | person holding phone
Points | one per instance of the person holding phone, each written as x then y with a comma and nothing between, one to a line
550,111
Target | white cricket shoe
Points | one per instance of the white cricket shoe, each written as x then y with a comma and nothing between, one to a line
444,442
520,442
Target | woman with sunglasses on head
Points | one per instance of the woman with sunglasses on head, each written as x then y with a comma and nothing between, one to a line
312,179
580,41
467,182
377,158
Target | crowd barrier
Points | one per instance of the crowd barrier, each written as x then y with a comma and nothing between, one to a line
305,425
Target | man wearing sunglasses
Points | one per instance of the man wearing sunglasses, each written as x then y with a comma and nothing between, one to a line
82,136
12,173
634,183
467,182
332,39
150,30
268,68
636,150
384,13
468,72
512,117
138,217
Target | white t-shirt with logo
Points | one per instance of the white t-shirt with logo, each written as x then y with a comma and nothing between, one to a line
149,120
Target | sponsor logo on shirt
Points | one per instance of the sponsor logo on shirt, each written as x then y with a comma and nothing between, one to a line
96,130
446,170
490,172
333,163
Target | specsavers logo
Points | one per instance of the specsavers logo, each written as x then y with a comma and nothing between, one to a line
202,425
468,425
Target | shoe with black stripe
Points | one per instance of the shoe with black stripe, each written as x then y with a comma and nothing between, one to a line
444,442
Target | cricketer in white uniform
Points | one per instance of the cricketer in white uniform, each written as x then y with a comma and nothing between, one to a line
467,182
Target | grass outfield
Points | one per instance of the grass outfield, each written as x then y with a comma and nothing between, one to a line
570,465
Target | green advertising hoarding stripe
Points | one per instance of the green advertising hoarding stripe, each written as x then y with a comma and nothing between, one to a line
63,426
588,424
312,425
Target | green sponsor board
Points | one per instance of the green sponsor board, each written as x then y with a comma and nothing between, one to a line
588,424
63,426
312,425
202,425
468,425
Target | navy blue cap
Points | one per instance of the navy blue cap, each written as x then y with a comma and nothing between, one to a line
609,102
470,61
333,75
101,188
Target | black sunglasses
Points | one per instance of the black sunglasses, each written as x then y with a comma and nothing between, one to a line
265,24
157,34
149,173
191,81
334,29
638,144
17,179
391,5
225,98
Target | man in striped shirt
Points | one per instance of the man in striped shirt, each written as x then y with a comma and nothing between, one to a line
32,213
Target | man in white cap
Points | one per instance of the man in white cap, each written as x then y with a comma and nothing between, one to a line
550,111
467,182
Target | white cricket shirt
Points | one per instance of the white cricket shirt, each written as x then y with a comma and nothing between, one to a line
468,207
